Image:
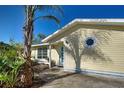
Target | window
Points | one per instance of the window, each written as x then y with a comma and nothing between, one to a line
42,53
90,42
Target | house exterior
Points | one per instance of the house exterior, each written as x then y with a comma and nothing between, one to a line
91,46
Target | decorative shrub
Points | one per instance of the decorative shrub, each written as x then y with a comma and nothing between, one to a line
10,63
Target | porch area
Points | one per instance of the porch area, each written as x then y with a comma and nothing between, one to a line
51,54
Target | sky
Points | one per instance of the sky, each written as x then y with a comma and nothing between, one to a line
12,19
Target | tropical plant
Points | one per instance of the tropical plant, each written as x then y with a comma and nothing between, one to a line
31,17
9,78
38,39
10,63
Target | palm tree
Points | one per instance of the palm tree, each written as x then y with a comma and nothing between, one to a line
38,38
31,11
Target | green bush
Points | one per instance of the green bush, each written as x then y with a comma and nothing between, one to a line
10,63
10,77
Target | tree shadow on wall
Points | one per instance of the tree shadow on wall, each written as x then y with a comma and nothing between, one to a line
74,45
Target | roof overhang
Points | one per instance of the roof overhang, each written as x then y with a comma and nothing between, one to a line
47,44
110,24
38,45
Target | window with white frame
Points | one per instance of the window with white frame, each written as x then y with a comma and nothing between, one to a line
90,42
42,53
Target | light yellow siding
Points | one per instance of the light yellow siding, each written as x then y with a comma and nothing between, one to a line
112,47
34,53
55,56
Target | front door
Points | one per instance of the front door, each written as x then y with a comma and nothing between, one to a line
61,56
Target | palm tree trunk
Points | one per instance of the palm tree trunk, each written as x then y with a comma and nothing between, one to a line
28,32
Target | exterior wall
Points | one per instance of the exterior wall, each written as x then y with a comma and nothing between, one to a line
110,47
34,53
54,55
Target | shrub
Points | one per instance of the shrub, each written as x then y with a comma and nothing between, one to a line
9,78
10,63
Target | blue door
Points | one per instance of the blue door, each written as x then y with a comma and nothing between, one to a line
61,56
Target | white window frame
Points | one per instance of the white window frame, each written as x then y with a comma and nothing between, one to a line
42,53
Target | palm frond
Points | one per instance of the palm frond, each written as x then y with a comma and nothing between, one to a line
50,7
49,17
57,8
40,7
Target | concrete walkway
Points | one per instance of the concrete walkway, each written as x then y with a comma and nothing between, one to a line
56,78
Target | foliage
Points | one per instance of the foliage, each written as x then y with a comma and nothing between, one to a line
10,77
10,63
38,38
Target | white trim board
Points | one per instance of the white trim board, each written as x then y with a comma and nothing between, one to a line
99,73
105,22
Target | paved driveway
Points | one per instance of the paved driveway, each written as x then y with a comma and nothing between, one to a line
56,78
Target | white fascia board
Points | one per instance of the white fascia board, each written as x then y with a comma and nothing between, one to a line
59,31
44,44
86,21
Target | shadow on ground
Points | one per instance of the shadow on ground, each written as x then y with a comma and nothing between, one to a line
48,75
56,78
